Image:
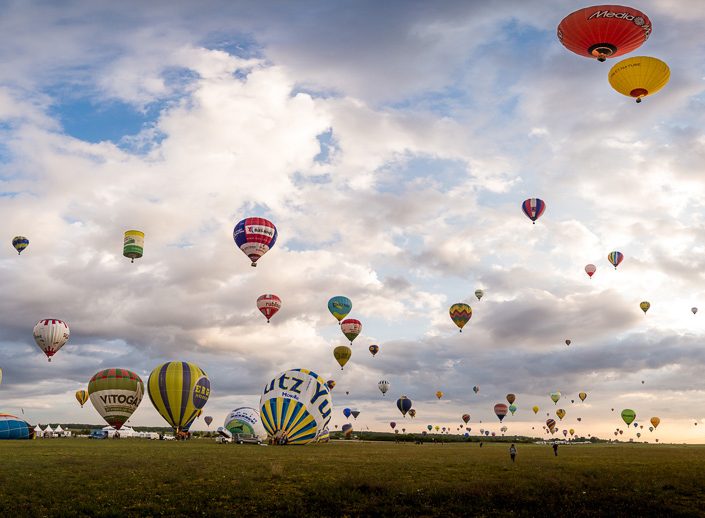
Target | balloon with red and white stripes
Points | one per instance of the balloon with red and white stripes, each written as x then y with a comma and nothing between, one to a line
51,334
269,304
533,208
255,236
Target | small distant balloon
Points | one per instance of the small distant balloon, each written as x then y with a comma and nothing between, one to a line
615,258
500,410
644,305
590,269
479,293
555,396
269,304
255,237
460,314
383,386
533,208
694,310
339,306
568,342
20,243
133,244
374,349
342,354
351,328
582,396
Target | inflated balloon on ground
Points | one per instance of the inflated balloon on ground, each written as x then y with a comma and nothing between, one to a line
115,394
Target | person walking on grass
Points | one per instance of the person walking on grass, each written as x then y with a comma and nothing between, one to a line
513,452
555,449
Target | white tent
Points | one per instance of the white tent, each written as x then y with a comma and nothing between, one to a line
125,431
58,429
48,432
37,431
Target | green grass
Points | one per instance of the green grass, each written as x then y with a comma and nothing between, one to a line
128,477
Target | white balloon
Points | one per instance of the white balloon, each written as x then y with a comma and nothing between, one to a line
383,386
51,334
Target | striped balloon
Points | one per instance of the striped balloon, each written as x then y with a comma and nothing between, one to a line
20,243
460,314
295,407
550,424
351,328
255,236
500,410
82,397
12,427
269,304
533,208
115,394
615,258
51,334
178,390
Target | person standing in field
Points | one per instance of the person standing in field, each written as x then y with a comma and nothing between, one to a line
555,449
512,452
480,444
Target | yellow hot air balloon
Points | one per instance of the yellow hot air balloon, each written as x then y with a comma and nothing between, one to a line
178,390
560,413
82,397
535,409
655,421
644,306
571,432
582,396
639,76
439,394
342,354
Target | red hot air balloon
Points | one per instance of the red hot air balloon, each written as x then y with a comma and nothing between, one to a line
500,410
604,31
374,349
533,208
268,305
466,418
590,269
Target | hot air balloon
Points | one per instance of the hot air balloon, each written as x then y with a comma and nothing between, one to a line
565,433
644,305
51,334
655,421
133,244
479,293
178,390
430,427
115,394
651,428
347,412
342,354
568,342
383,386
393,425
82,397
295,406
269,304
351,328
511,398
582,396
555,396
412,413
580,419
339,307
500,410
355,413
208,420
560,413
615,258
535,409
503,429
533,208
255,237
347,430
12,427
604,31
572,401
476,389
694,310
512,408
20,243
439,394
331,384
590,269
404,405
460,314
242,420
628,415
550,424
374,349
639,76
571,432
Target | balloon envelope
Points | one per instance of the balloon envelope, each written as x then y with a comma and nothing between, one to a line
342,354
644,306
268,304
20,243
374,349
590,269
555,396
439,394
133,244
500,410
255,237
476,389
479,294
12,427
615,258
51,334
533,208
383,386
655,421
604,31
628,415
115,394
339,307
466,418
295,406
511,398
535,409
243,420
178,390
351,328
460,314
82,397
639,76
582,396
208,419
404,405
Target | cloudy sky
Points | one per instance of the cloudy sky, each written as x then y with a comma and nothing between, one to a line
392,144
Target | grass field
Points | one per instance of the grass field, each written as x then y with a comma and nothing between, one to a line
79,477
